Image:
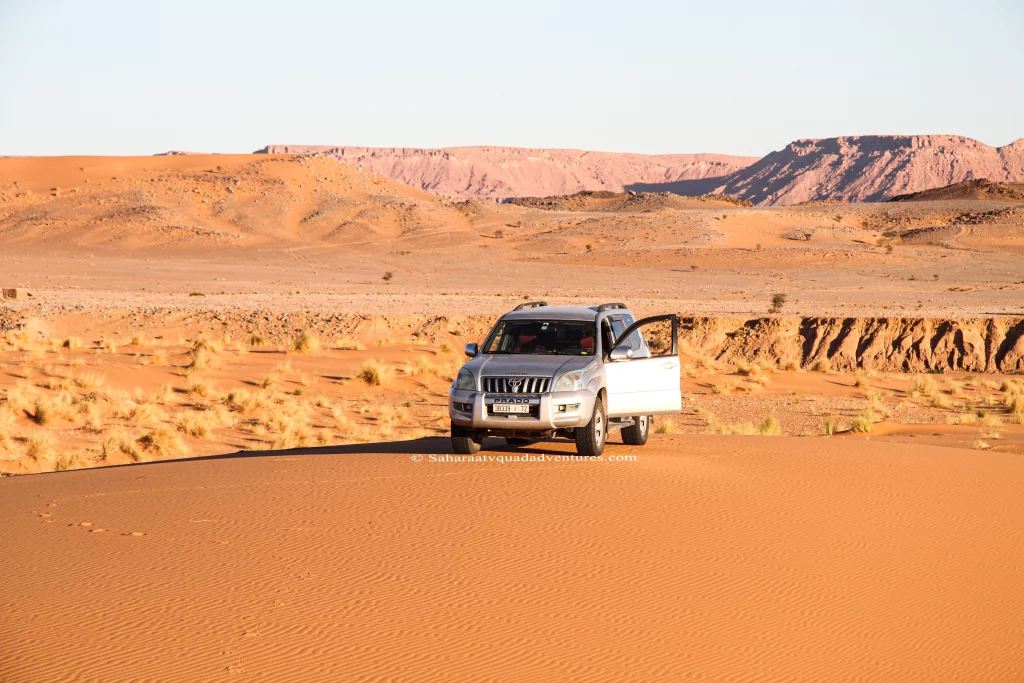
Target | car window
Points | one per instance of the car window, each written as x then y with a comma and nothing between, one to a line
617,327
542,337
635,341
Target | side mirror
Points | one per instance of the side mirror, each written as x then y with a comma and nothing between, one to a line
472,349
622,352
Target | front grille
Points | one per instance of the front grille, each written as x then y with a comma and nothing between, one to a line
516,385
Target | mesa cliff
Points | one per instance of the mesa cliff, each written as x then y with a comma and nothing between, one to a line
866,168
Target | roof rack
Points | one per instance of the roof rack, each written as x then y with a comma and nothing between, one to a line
609,307
530,304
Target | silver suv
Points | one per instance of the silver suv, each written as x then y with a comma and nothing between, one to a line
569,371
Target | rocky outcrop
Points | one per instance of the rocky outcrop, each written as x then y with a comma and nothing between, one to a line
843,169
980,188
504,172
889,344
872,168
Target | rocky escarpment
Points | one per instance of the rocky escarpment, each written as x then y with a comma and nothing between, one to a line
503,172
889,344
871,168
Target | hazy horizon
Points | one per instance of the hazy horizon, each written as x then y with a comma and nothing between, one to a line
111,78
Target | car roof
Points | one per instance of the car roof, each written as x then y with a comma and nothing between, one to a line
557,313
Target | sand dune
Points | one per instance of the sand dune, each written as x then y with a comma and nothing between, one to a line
707,558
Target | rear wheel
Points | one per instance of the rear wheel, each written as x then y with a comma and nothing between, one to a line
636,433
464,442
590,439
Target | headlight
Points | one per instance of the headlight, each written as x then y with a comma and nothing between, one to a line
571,381
465,380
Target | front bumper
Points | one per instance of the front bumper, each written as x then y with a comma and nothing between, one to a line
472,409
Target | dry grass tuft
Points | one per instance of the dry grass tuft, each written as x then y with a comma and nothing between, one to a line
118,442
830,426
864,422
200,387
69,461
770,427
348,344
374,373
822,365
666,426
90,380
306,342
197,424
162,442
923,386
72,343
39,446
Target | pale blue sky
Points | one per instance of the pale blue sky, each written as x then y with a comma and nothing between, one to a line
740,77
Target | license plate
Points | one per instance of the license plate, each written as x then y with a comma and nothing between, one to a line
510,408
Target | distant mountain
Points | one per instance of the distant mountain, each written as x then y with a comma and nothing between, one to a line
848,169
503,172
863,169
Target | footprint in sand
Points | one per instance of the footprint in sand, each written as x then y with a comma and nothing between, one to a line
97,531
134,533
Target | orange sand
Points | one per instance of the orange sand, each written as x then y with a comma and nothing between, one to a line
708,558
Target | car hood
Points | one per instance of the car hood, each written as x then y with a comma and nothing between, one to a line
502,365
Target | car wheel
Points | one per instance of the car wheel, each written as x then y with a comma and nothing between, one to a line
636,433
465,442
590,439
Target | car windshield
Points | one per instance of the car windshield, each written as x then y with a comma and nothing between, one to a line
542,337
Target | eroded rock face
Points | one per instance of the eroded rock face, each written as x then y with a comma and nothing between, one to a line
843,169
872,168
502,172
890,344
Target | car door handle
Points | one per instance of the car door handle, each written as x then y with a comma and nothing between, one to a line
669,365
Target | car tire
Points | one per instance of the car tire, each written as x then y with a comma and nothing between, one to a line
464,442
591,438
466,445
636,433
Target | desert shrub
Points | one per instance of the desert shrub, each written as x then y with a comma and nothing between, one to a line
39,446
445,347
89,380
666,426
197,424
830,426
118,442
138,413
922,386
72,343
162,442
200,387
822,365
67,461
257,339
386,277
294,436
770,427
374,373
863,423
44,413
348,344
778,301
306,342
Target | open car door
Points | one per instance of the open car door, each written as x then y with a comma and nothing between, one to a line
642,371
